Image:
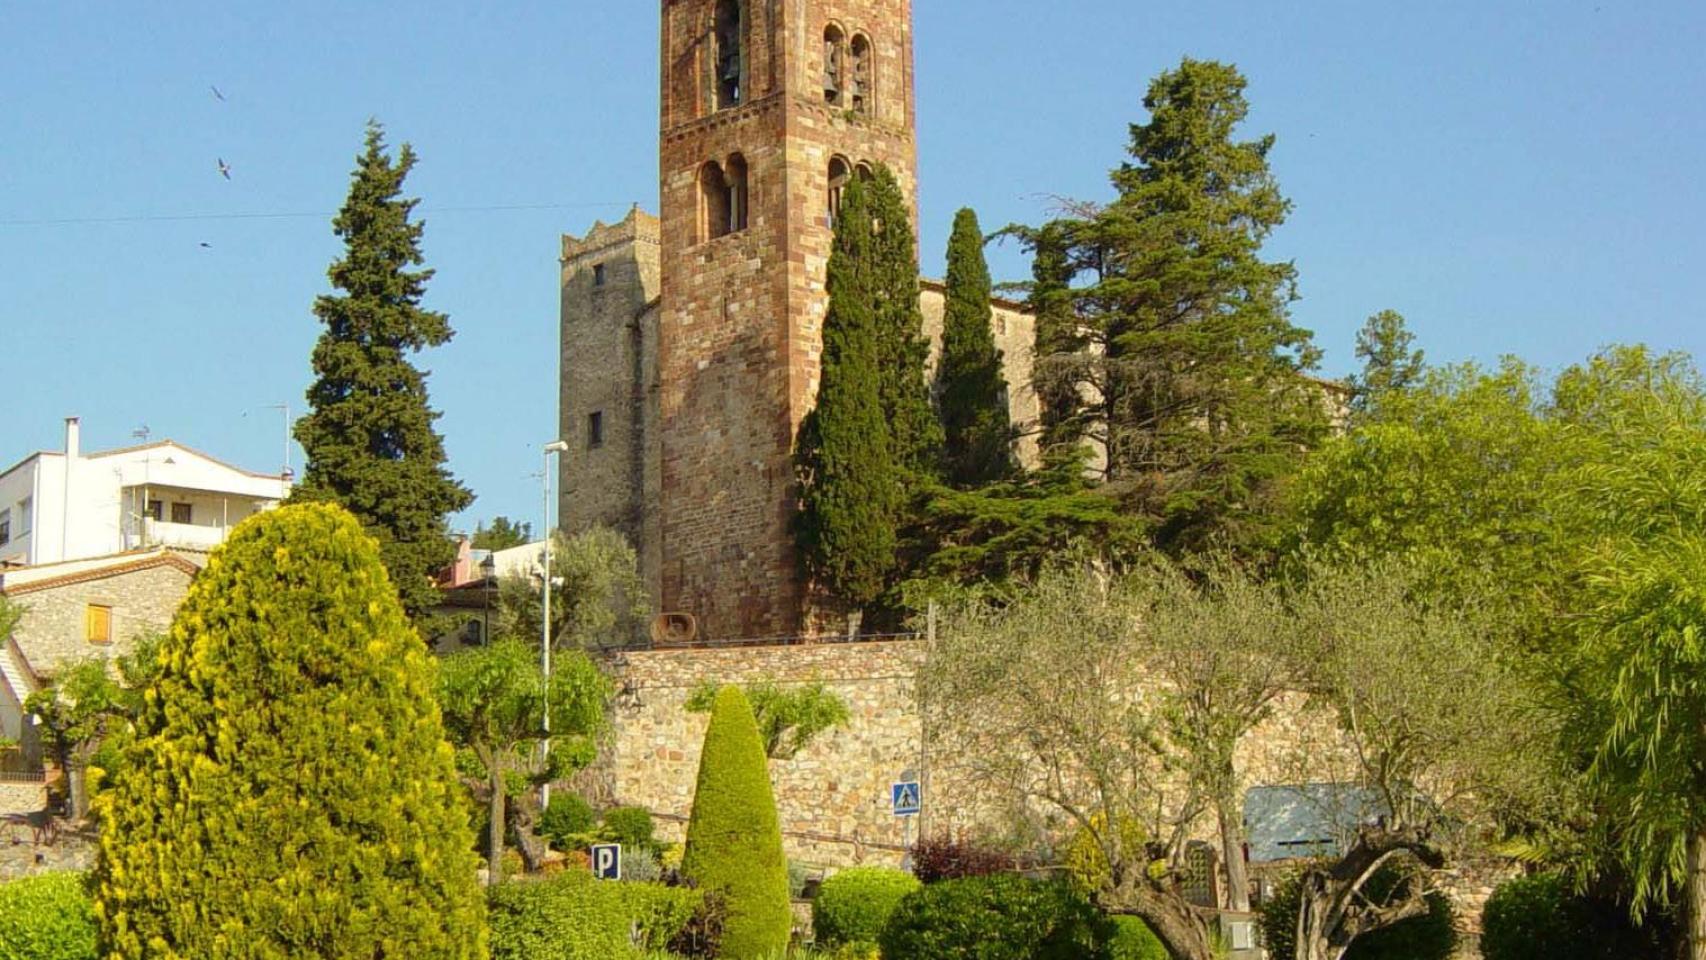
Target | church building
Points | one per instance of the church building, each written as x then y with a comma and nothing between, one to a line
691,339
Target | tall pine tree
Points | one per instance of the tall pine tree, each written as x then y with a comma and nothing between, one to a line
1390,361
971,391
902,351
850,492
1183,368
370,440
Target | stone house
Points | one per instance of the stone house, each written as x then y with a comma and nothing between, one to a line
73,611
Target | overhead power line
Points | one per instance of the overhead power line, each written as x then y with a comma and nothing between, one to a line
188,217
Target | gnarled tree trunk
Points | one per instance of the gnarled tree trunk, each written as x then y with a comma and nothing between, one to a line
1182,929
495,828
1331,913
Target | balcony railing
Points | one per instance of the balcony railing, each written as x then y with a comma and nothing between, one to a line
162,533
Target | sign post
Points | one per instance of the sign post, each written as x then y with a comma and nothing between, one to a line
906,797
607,861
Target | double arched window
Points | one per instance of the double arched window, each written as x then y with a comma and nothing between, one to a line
723,200
729,35
847,70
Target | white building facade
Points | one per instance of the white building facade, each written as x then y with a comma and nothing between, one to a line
67,505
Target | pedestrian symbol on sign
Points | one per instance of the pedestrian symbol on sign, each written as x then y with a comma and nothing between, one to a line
907,798
607,861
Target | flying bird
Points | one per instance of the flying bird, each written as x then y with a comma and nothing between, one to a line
224,168
216,94
209,246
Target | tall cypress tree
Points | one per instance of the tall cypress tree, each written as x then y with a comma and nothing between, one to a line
977,432
1188,376
902,351
370,440
850,492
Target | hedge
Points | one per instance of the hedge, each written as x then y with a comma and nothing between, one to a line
854,905
1133,940
46,917
571,916
1541,918
1001,917
734,837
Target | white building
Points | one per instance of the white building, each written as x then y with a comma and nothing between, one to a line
57,507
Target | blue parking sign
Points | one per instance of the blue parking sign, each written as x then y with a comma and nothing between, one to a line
607,861
907,797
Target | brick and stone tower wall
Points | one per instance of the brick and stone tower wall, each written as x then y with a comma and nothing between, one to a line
608,401
765,104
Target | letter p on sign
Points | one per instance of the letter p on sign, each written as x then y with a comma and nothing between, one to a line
607,861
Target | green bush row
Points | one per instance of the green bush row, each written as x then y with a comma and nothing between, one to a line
570,823
571,916
1543,918
1007,917
46,917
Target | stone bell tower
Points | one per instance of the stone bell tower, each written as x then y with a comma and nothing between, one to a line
768,106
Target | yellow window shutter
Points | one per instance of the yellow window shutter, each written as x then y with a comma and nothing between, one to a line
98,623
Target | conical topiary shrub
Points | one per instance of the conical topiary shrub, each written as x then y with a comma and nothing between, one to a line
734,839
290,793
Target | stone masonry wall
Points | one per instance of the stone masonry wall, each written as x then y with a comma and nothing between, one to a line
833,798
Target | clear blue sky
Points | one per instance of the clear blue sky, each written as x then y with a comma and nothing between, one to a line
1513,176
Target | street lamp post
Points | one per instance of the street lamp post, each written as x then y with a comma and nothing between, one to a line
488,579
558,447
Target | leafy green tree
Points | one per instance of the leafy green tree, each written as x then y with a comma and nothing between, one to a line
598,599
971,390
788,719
1637,428
1398,485
369,439
1164,338
290,792
734,838
503,534
845,459
495,701
1218,639
1390,359
1434,724
891,272
86,713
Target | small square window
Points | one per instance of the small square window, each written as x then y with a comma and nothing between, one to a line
183,513
156,510
98,623
598,274
595,429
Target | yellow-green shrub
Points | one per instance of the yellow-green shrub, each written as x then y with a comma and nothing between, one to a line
46,917
290,792
854,905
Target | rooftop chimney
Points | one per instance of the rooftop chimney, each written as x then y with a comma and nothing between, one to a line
73,438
